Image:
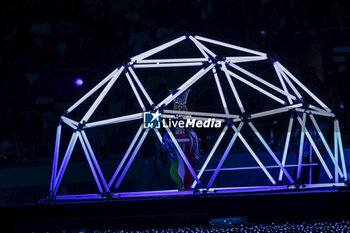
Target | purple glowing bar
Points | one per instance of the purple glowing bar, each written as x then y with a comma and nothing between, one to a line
204,166
223,158
94,160
121,177
92,168
254,156
126,155
262,140
65,161
184,158
55,157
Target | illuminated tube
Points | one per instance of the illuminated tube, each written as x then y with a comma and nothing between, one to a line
286,146
282,83
244,59
87,95
253,76
233,90
93,157
255,156
185,86
230,46
65,161
274,111
199,44
222,97
174,60
321,110
255,86
101,96
92,168
315,148
131,159
304,88
116,120
195,42
206,114
184,158
199,74
326,145
126,155
157,49
222,134
69,122
262,140
223,158
135,92
159,136
291,85
341,150
301,146
336,151
168,65
325,114
141,87
55,157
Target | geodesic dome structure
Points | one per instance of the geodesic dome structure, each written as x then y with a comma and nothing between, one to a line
292,96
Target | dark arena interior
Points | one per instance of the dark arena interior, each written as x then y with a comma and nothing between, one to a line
175,116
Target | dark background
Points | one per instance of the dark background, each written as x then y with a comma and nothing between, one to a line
46,45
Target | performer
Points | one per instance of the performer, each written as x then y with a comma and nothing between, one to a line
189,143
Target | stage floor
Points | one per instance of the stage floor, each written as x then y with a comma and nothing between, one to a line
176,211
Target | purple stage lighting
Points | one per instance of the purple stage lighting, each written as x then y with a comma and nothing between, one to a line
78,82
